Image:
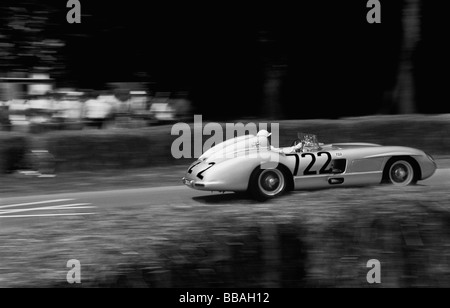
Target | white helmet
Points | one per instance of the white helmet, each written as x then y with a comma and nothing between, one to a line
263,133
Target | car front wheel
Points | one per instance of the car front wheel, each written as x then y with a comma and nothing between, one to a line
401,173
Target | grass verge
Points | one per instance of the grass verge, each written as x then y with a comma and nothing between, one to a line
305,239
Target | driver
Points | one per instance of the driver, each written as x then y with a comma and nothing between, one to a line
263,140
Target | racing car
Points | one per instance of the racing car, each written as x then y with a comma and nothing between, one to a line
250,164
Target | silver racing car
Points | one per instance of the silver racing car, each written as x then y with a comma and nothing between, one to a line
249,163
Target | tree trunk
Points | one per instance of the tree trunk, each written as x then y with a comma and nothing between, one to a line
273,76
405,89
273,59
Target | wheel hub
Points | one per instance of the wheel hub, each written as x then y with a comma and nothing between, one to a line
271,182
401,173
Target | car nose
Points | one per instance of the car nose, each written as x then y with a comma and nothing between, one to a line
187,182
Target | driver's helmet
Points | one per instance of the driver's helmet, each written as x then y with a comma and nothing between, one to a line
263,138
264,133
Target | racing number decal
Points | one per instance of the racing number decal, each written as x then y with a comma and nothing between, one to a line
193,166
322,170
313,161
200,174
297,163
311,164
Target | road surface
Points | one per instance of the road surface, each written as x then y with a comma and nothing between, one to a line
25,210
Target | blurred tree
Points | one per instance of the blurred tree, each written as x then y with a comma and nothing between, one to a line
274,62
29,38
405,89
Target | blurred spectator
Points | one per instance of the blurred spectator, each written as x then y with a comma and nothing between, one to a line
5,124
160,108
139,104
167,107
18,110
181,105
56,100
98,110
113,102
122,98
70,110
40,109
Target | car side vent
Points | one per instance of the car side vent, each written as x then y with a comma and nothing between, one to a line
335,181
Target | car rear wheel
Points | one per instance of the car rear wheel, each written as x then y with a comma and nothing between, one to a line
401,172
267,183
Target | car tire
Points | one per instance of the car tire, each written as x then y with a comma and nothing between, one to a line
400,172
265,184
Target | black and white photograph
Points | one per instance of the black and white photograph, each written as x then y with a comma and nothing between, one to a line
225,151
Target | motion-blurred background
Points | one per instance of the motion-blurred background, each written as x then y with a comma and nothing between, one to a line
225,61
